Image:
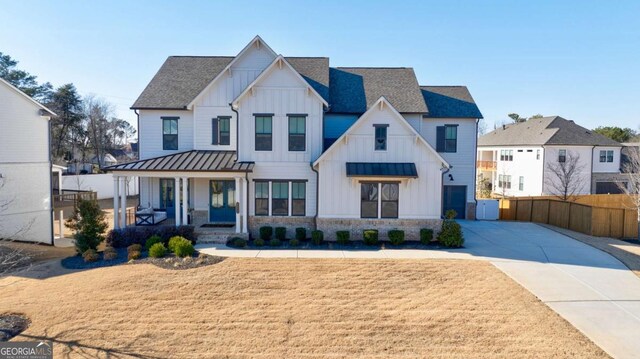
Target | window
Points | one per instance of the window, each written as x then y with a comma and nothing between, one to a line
220,133
169,133
298,195
537,154
389,200
297,132
500,181
519,150
447,138
529,150
280,198
263,133
262,198
606,156
521,184
381,137
506,155
369,200
562,156
507,181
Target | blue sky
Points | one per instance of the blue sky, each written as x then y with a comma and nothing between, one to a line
577,59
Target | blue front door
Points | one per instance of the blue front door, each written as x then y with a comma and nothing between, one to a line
222,201
455,197
168,196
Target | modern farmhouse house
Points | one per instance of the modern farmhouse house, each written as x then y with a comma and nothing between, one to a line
25,168
523,159
261,139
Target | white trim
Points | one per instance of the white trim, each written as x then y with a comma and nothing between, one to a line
277,62
41,106
256,40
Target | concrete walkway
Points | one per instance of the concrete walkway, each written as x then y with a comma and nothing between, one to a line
589,288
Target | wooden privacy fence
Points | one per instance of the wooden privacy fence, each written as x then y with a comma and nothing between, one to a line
583,218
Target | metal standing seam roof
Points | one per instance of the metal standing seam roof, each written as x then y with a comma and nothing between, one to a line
381,169
195,160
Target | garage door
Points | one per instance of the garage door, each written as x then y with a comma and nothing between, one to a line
455,197
608,188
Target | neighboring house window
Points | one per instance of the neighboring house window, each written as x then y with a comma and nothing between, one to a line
280,198
381,137
562,156
220,131
262,198
506,155
537,154
500,181
369,200
447,138
170,133
298,195
382,195
521,184
297,132
389,200
507,181
606,156
264,140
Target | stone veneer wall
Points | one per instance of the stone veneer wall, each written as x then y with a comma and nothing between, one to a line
411,227
199,218
471,211
291,223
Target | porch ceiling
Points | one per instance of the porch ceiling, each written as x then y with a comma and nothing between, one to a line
190,161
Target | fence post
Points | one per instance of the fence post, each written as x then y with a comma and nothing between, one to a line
515,216
61,224
569,216
548,210
531,211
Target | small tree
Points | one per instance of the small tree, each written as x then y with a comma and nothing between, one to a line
631,166
89,224
483,187
564,180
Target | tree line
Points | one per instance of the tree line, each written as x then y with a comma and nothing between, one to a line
85,126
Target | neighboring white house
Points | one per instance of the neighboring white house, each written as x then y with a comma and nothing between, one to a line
250,140
518,159
25,168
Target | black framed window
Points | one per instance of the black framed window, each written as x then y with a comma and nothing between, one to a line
169,133
389,200
264,138
606,156
221,131
450,138
298,198
262,198
562,156
279,198
369,200
297,132
381,137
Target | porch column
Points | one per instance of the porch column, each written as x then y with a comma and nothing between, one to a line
60,182
243,205
185,200
238,201
176,201
116,198
123,203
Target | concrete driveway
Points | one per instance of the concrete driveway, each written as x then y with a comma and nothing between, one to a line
589,288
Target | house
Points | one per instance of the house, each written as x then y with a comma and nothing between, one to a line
25,168
262,139
520,159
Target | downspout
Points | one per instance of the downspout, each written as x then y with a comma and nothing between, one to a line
138,151
51,209
442,192
475,173
246,195
315,217
591,173
544,157
237,131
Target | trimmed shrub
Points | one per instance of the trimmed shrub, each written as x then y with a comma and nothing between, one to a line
183,248
158,250
175,240
301,233
426,235
109,254
265,233
134,248
317,237
134,255
89,225
451,234
396,236
294,242
281,233
450,214
275,242
90,255
238,242
370,237
151,241
258,242
342,237
121,238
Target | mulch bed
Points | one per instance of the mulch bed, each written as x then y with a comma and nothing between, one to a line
170,261
12,325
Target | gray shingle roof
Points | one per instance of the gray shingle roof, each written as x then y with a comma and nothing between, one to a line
355,89
195,160
553,130
450,102
182,78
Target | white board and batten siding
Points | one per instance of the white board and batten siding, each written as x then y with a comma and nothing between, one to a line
25,169
150,132
418,198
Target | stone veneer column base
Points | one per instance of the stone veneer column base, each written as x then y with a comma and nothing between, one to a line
470,212
291,223
411,227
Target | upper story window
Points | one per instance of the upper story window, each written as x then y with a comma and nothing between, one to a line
506,155
447,138
264,137
606,156
297,132
537,154
562,156
221,131
170,133
381,137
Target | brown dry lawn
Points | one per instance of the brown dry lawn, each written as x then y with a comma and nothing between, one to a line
292,308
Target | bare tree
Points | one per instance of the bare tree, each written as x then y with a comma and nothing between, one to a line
96,113
631,167
564,180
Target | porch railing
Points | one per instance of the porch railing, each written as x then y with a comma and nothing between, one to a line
487,165
71,197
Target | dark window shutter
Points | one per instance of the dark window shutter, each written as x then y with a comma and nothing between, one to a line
214,131
440,138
